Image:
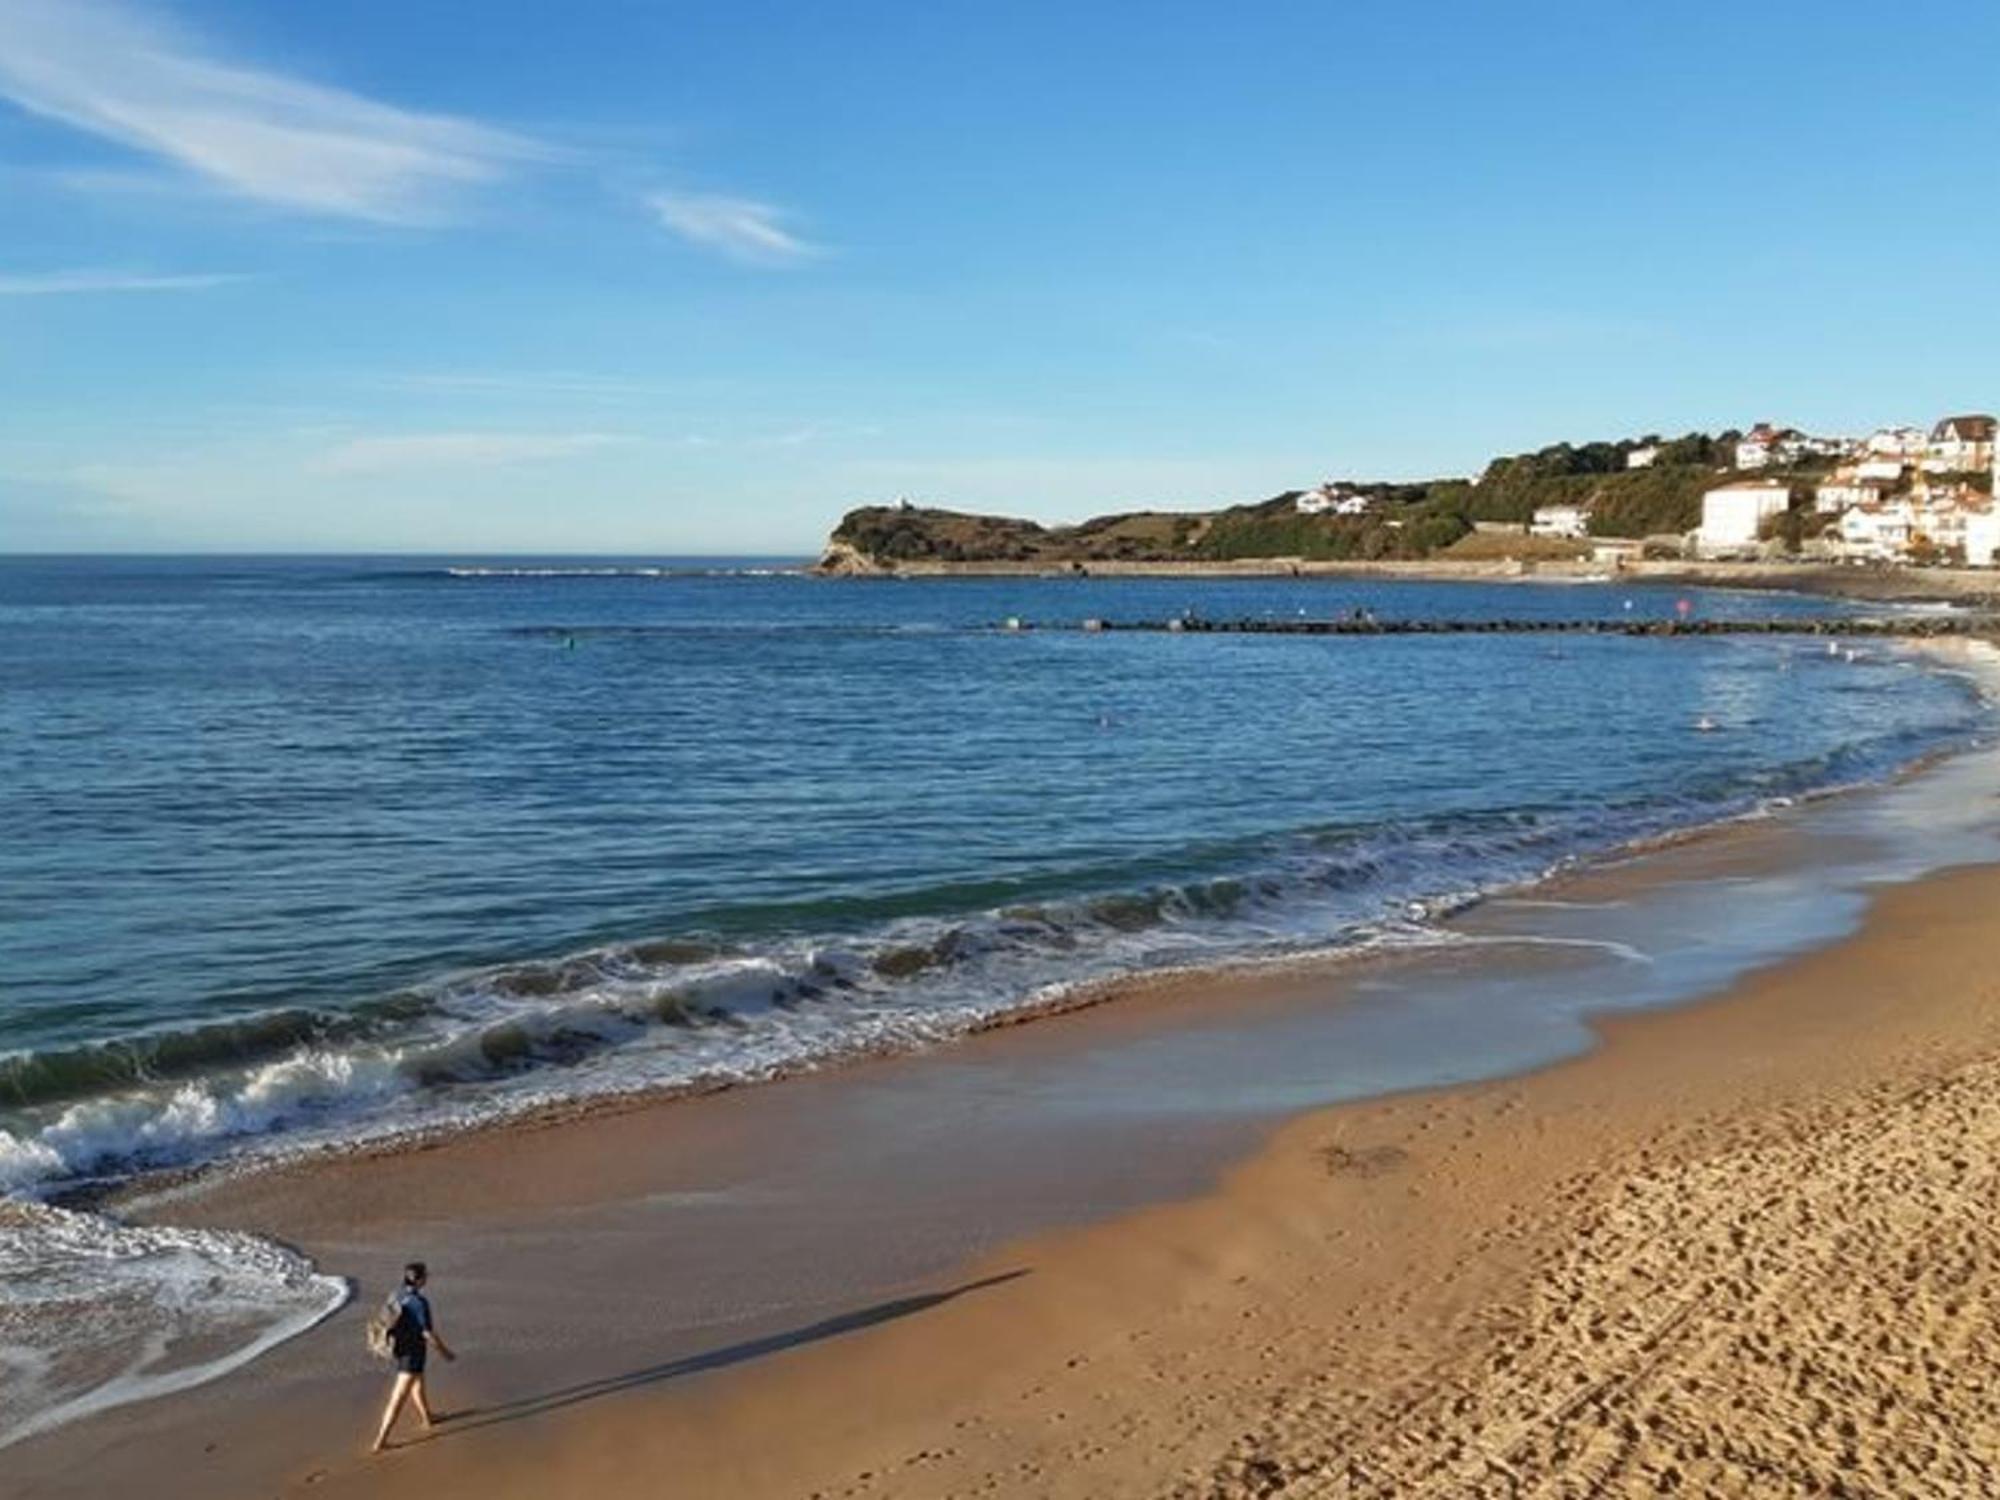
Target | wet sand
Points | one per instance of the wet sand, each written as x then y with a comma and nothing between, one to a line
1741,1248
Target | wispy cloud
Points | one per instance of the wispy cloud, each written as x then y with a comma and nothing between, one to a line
813,432
741,228
99,279
532,383
108,70
457,450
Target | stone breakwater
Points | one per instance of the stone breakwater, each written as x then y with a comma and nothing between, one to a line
1926,627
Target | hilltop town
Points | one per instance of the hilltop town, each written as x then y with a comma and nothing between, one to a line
1900,496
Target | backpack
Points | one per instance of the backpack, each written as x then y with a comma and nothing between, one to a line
382,1326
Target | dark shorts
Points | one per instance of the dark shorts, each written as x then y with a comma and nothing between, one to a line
413,1362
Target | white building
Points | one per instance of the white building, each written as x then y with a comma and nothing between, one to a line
1881,469
1982,535
1951,521
1880,532
1616,551
1941,522
1959,445
1732,515
1764,445
1566,521
1906,443
1642,458
1848,488
1757,447
1339,499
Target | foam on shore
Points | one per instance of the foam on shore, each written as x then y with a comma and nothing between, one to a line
95,1314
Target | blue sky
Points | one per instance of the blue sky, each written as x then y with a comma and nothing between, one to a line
623,276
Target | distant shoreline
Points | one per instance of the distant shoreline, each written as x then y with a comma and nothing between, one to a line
1887,584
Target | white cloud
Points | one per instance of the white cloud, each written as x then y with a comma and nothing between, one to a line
539,384
105,69
740,228
813,432
97,279
456,450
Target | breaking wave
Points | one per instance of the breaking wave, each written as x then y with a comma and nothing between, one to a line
621,570
685,1012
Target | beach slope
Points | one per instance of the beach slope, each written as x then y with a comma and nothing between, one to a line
1745,1248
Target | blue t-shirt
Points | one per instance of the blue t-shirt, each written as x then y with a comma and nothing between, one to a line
412,1323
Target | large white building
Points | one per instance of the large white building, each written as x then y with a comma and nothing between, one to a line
1567,521
1733,515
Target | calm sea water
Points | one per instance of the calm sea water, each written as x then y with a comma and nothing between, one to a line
299,847
299,852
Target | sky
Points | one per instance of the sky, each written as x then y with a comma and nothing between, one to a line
619,276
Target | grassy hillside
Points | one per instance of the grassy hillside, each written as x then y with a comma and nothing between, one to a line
893,534
1407,520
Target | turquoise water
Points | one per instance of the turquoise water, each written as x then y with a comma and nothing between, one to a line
302,851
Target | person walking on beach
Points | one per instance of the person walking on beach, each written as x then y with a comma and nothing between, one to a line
409,1332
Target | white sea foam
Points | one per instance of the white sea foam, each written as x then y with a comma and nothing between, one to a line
486,1045
178,1123
95,1314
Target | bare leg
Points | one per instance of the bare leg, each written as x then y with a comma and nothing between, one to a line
398,1394
422,1394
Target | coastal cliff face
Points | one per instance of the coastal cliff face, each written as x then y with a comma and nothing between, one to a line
843,560
888,538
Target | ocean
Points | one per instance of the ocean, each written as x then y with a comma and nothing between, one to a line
304,853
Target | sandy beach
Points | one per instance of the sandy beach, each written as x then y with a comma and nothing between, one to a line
1741,1248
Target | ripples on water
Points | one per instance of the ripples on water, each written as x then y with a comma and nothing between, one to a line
300,853
314,849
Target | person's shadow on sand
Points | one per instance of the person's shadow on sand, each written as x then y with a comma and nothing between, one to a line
470,1418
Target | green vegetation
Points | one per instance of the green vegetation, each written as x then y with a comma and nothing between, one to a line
1432,518
1404,520
1663,498
1977,479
